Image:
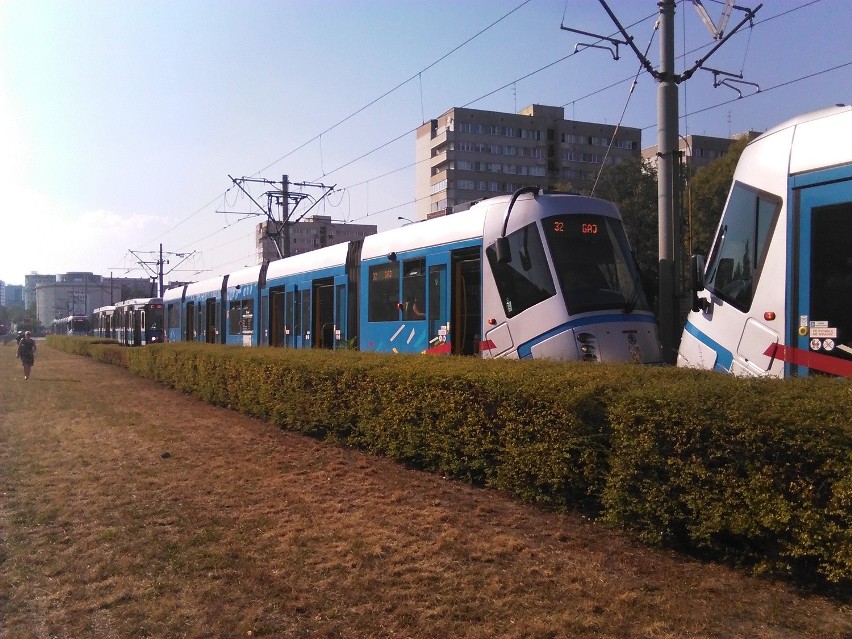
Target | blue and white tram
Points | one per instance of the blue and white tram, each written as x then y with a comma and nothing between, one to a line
102,318
219,310
775,297
531,275
138,322
72,325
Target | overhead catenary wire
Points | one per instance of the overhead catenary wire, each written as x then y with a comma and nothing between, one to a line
549,65
415,200
398,86
715,106
502,87
410,131
624,110
351,115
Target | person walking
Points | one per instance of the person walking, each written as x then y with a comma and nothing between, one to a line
26,353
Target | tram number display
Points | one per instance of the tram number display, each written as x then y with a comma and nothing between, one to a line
585,227
383,275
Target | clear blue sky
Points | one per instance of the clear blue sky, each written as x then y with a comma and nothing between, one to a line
120,120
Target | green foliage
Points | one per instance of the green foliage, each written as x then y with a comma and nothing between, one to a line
757,472
709,189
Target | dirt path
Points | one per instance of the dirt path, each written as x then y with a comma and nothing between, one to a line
129,510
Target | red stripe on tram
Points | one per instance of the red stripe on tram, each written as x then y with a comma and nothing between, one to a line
446,347
816,361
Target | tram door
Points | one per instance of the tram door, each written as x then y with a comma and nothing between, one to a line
190,321
277,324
341,307
210,329
305,336
466,301
438,302
290,316
821,318
323,313
138,322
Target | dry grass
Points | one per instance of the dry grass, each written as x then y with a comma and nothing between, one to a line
245,530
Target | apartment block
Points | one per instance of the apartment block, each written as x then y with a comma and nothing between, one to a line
14,295
307,235
31,281
470,154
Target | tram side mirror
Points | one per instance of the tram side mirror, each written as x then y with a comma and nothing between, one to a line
696,273
501,248
696,281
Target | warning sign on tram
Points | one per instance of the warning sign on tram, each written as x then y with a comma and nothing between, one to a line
823,332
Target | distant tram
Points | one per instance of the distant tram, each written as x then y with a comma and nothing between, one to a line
531,275
775,297
102,319
71,325
136,322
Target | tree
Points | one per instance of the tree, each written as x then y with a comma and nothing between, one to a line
709,190
632,186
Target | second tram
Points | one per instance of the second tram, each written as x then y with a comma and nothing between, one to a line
775,297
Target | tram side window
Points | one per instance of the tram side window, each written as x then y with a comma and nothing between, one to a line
414,289
240,317
383,293
740,247
173,315
234,318
525,280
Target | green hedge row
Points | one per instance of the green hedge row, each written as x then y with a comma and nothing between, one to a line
757,472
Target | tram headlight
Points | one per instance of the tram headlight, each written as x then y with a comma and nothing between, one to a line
588,347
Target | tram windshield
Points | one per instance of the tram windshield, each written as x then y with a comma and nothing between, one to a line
154,317
79,325
593,263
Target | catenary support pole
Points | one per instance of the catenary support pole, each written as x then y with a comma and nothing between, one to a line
161,270
285,216
667,147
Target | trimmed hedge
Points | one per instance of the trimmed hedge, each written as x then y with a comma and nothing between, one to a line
752,471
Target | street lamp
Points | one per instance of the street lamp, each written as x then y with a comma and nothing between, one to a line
407,221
